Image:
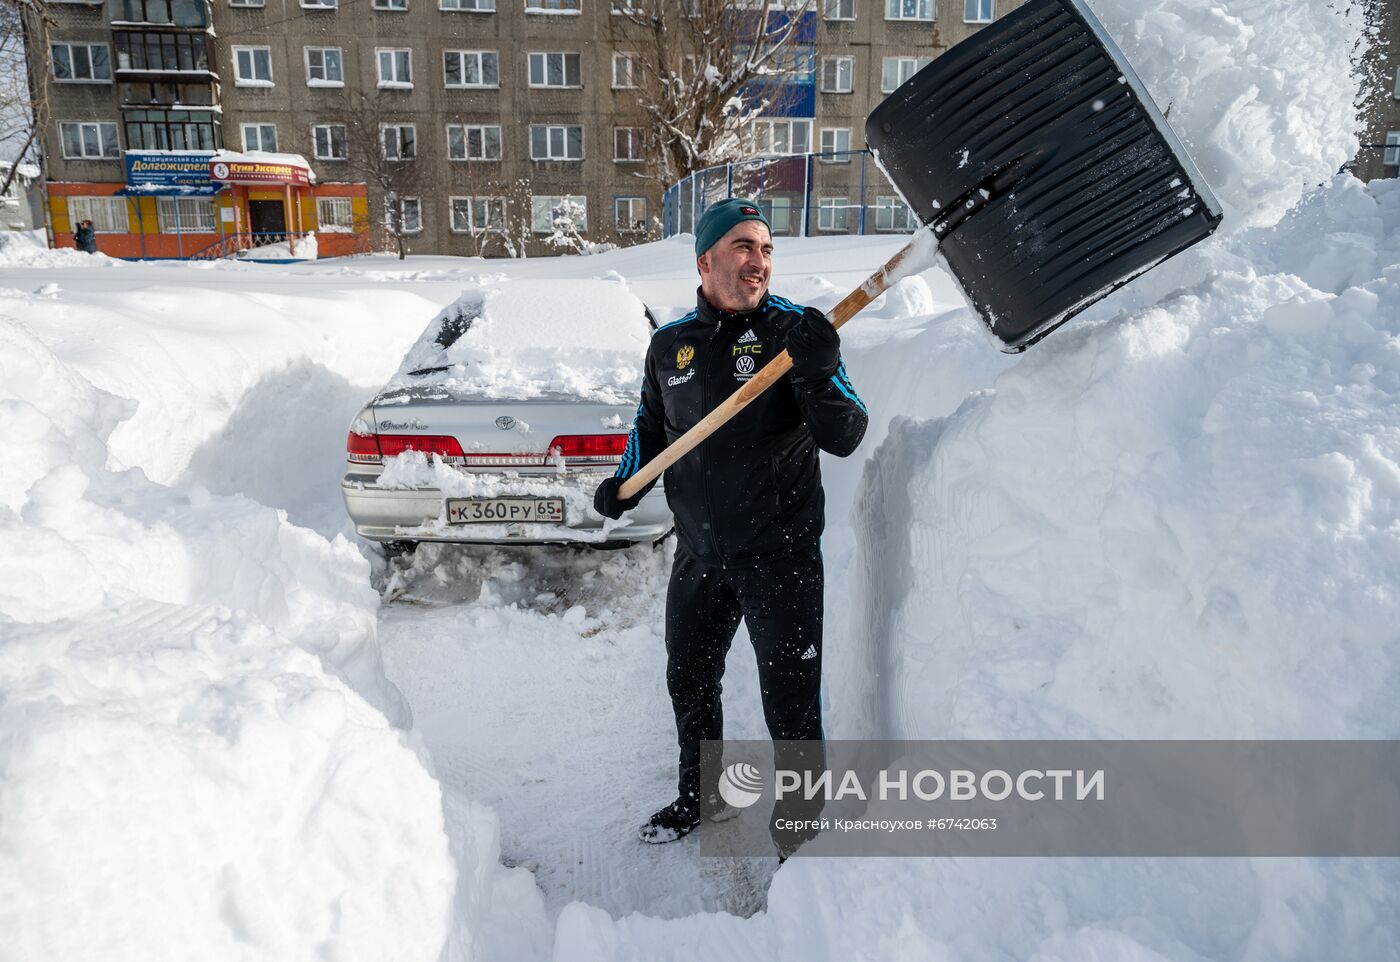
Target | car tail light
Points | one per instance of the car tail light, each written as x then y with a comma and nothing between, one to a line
444,445
362,449
589,448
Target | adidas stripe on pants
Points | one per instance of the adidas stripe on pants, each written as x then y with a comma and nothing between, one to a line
780,600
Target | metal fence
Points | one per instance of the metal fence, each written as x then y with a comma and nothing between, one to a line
802,195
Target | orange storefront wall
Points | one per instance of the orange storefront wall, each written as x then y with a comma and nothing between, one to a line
143,238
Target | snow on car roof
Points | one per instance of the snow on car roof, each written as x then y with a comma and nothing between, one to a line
583,339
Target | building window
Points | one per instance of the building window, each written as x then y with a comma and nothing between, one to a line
831,213
979,11
319,4
627,144
246,3
323,67
253,66
335,215
151,52
891,213
896,70
410,215
186,215
82,63
395,67
260,137
473,142
472,215
836,145
556,143
908,9
1391,157
624,71
838,75
1397,83
177,13
471,68
481,6
400,142
391,4
570,208
630,214
555,70
108,214
328,141
781,136
839,9
160,129
778,211
89,141
552,6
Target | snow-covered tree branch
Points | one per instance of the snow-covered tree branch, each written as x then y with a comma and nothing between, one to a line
698,67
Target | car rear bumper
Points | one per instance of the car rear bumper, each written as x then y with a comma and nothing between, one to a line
418,514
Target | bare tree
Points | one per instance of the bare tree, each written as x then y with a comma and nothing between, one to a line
24,26
699,68
384,151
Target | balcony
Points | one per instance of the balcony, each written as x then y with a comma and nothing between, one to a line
162,56
191,14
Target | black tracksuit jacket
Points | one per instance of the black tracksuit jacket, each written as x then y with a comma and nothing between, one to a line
753,489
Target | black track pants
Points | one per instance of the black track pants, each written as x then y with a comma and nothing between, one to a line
781,602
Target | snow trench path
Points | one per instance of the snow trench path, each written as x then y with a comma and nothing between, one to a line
537,681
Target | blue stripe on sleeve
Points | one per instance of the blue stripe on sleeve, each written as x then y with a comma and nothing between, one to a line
629,455
783,304
843,384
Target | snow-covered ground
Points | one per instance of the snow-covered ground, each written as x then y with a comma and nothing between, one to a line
227,727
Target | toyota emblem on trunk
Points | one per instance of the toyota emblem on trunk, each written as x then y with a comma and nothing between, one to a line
505,422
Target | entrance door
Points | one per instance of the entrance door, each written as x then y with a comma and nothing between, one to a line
268,220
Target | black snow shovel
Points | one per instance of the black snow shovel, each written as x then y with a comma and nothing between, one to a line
1042,171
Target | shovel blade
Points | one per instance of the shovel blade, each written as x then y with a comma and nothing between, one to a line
1042,163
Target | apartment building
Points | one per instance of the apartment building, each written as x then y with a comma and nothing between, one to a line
479,119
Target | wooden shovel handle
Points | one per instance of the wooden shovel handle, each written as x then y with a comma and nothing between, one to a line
849,307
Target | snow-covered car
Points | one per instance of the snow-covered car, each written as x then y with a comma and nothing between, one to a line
503,418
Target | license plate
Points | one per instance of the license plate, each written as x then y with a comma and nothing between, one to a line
504,510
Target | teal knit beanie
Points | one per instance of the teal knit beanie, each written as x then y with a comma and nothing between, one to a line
720,217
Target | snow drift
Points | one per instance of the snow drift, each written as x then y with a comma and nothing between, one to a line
186,748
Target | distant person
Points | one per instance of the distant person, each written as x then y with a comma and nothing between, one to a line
748,502
85,238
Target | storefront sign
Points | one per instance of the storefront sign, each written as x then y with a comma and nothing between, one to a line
259,172
145,169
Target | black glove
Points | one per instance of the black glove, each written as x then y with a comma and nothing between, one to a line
814,345
607,503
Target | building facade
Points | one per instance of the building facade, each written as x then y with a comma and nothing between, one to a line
1379,155
465,126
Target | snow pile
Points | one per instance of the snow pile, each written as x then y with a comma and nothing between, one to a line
578,338
1260,92
1181,524
186,748
29,249
296,248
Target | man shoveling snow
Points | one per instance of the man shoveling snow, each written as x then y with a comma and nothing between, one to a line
748,503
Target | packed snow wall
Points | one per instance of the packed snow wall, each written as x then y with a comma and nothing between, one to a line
199,753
